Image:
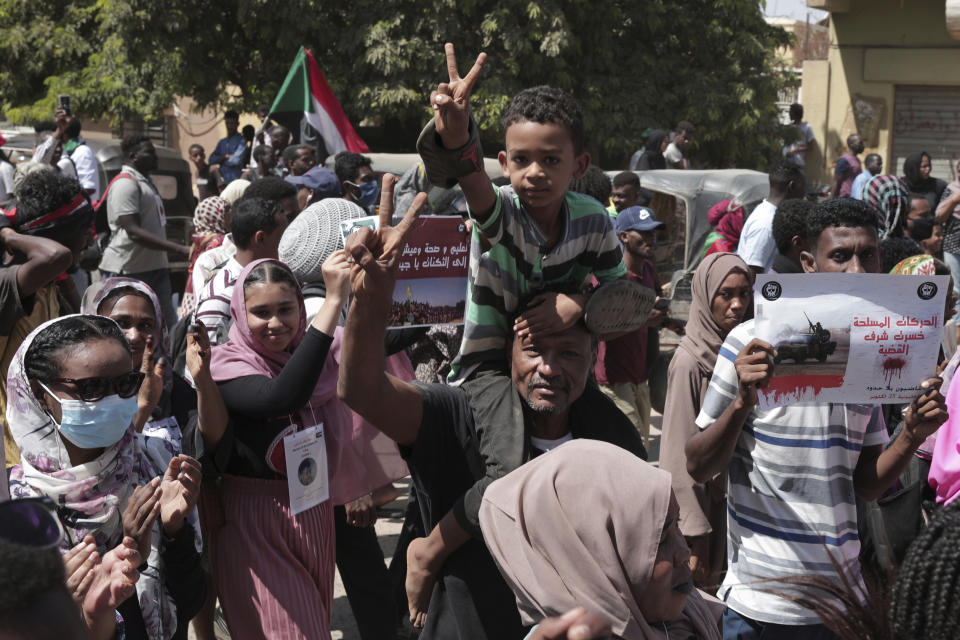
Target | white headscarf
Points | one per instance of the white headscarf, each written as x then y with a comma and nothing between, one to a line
90,497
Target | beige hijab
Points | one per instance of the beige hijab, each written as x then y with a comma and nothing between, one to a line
702,505
703,335
580,526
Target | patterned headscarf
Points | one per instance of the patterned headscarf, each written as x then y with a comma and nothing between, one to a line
209,230
90,497
210,216
919,265
888,195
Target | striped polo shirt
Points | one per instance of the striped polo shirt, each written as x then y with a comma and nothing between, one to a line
790,499
517,264
213,304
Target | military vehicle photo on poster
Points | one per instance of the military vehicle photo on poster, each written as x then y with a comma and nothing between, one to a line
855,338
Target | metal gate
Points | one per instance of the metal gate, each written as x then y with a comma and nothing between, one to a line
926,119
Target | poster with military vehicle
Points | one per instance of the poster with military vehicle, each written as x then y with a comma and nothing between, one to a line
852,338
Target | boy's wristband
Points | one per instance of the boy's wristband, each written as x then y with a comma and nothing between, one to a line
444,166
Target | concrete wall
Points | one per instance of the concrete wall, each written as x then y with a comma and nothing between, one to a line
875,45
811,41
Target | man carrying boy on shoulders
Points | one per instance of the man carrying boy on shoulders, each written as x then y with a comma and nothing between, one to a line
528,237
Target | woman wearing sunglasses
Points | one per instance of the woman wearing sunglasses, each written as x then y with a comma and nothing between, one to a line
73,391
166,401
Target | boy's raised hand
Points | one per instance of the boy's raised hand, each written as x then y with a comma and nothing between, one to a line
450,102
549,313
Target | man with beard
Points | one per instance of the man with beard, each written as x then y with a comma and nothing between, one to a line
435,425
847,167
138,244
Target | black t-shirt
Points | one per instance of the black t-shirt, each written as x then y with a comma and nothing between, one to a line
471,600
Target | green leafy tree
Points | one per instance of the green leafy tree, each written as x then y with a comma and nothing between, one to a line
632,64
130,58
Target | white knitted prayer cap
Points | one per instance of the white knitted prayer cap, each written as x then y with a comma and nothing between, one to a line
314,235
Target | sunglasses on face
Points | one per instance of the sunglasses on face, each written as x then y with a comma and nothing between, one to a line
31,522
93,389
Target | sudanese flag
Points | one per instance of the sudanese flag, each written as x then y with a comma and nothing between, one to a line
305,91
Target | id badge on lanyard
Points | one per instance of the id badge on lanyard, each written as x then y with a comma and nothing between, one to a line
303,460
307,481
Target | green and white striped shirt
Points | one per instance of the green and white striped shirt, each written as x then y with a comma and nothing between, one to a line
517,264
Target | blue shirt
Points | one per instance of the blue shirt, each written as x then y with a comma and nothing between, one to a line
235,146
856,189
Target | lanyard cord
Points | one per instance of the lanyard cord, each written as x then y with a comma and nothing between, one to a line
312,415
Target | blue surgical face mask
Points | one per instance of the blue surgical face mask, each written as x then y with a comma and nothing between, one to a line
92,425
368,193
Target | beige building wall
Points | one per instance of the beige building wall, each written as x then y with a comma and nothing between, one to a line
185,125
875,45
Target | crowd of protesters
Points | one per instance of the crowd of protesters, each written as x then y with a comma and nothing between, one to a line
172,456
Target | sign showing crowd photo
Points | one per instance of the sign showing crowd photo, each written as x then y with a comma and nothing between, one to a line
431,283
850,338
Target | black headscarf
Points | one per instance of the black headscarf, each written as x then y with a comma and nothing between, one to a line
932,188
652,157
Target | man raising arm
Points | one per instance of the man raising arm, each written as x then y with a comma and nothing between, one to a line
392,405
437,427
793,471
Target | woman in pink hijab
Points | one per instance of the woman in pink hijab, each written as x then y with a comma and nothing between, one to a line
727,219
272,556
589,524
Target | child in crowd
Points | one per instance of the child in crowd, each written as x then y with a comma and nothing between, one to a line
527,235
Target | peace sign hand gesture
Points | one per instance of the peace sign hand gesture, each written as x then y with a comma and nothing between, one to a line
376,253
451,104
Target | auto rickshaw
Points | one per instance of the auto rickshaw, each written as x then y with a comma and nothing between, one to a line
682,200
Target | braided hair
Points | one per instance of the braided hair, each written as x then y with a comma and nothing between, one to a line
269,273
42,360
927,589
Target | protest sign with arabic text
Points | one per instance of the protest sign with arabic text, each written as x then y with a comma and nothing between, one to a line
432,270
851,338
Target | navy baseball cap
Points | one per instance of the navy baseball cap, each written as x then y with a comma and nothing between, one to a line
636,218
323,182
